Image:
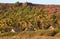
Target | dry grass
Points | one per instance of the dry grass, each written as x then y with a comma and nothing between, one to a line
30,35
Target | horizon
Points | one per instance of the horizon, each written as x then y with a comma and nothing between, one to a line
47,2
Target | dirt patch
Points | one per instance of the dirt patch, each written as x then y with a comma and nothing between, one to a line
29,37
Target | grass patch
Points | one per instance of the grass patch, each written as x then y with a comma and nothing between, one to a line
8,34
40,33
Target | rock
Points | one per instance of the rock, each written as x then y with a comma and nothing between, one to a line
51,28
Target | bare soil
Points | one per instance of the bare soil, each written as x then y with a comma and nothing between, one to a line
29,37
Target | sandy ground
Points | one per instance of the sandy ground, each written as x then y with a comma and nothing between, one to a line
29,37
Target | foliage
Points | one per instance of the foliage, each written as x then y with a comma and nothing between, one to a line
23,17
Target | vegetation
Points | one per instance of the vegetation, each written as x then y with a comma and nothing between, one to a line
8,34
18,16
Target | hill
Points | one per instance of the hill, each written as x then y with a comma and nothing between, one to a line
48,8
19,17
